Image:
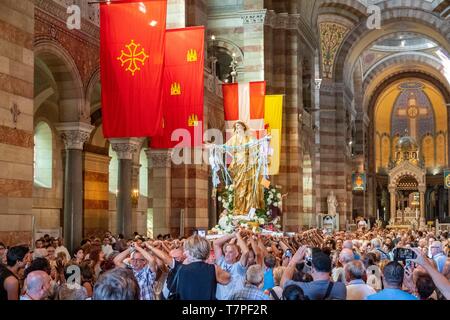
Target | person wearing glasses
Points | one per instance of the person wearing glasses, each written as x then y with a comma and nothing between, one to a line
437,254
143,265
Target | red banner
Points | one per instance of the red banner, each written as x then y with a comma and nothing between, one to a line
183,89
131,58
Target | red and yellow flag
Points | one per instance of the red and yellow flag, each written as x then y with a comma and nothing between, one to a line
183,89
132,43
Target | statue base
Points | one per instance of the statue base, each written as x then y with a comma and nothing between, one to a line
229,223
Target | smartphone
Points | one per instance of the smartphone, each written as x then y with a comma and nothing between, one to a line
404,254
410,264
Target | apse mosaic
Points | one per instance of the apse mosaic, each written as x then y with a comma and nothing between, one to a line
412,112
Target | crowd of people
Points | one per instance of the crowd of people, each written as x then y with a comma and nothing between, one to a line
379,264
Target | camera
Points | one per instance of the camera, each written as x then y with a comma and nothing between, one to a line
403,254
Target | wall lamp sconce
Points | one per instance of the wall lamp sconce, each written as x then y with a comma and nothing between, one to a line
134,197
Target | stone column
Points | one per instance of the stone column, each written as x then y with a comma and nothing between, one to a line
161,189
393,206
422,222
125,148
74,135
139,209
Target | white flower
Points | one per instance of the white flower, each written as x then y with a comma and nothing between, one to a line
275,204
223,222
269,202
261,221
270,196
279,196
219,198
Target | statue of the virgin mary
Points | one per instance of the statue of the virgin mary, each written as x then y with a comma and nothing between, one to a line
243,169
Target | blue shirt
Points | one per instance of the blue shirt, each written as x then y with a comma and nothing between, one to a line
237,273
391,294
268,280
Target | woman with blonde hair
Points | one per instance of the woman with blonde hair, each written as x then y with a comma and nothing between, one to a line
196,279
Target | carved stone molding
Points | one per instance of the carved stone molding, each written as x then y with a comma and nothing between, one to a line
89,14
253,17
125,147
74,134
291,22
160,158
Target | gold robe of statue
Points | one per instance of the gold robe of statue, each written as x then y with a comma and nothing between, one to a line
248,191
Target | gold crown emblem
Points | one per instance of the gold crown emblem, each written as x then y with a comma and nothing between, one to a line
175,89
191,55
193,120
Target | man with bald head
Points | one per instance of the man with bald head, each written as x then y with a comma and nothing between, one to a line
38,286
345,256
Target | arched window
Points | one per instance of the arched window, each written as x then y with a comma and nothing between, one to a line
113,171
43,155
143,174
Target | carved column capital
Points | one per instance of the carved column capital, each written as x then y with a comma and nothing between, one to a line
253,16
74,134
125,147
160,158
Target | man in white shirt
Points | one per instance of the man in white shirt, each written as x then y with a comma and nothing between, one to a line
106,247
357,289
61,248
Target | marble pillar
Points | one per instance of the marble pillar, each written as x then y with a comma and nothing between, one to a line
125,148
74,135
393,206
422,222
161,189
